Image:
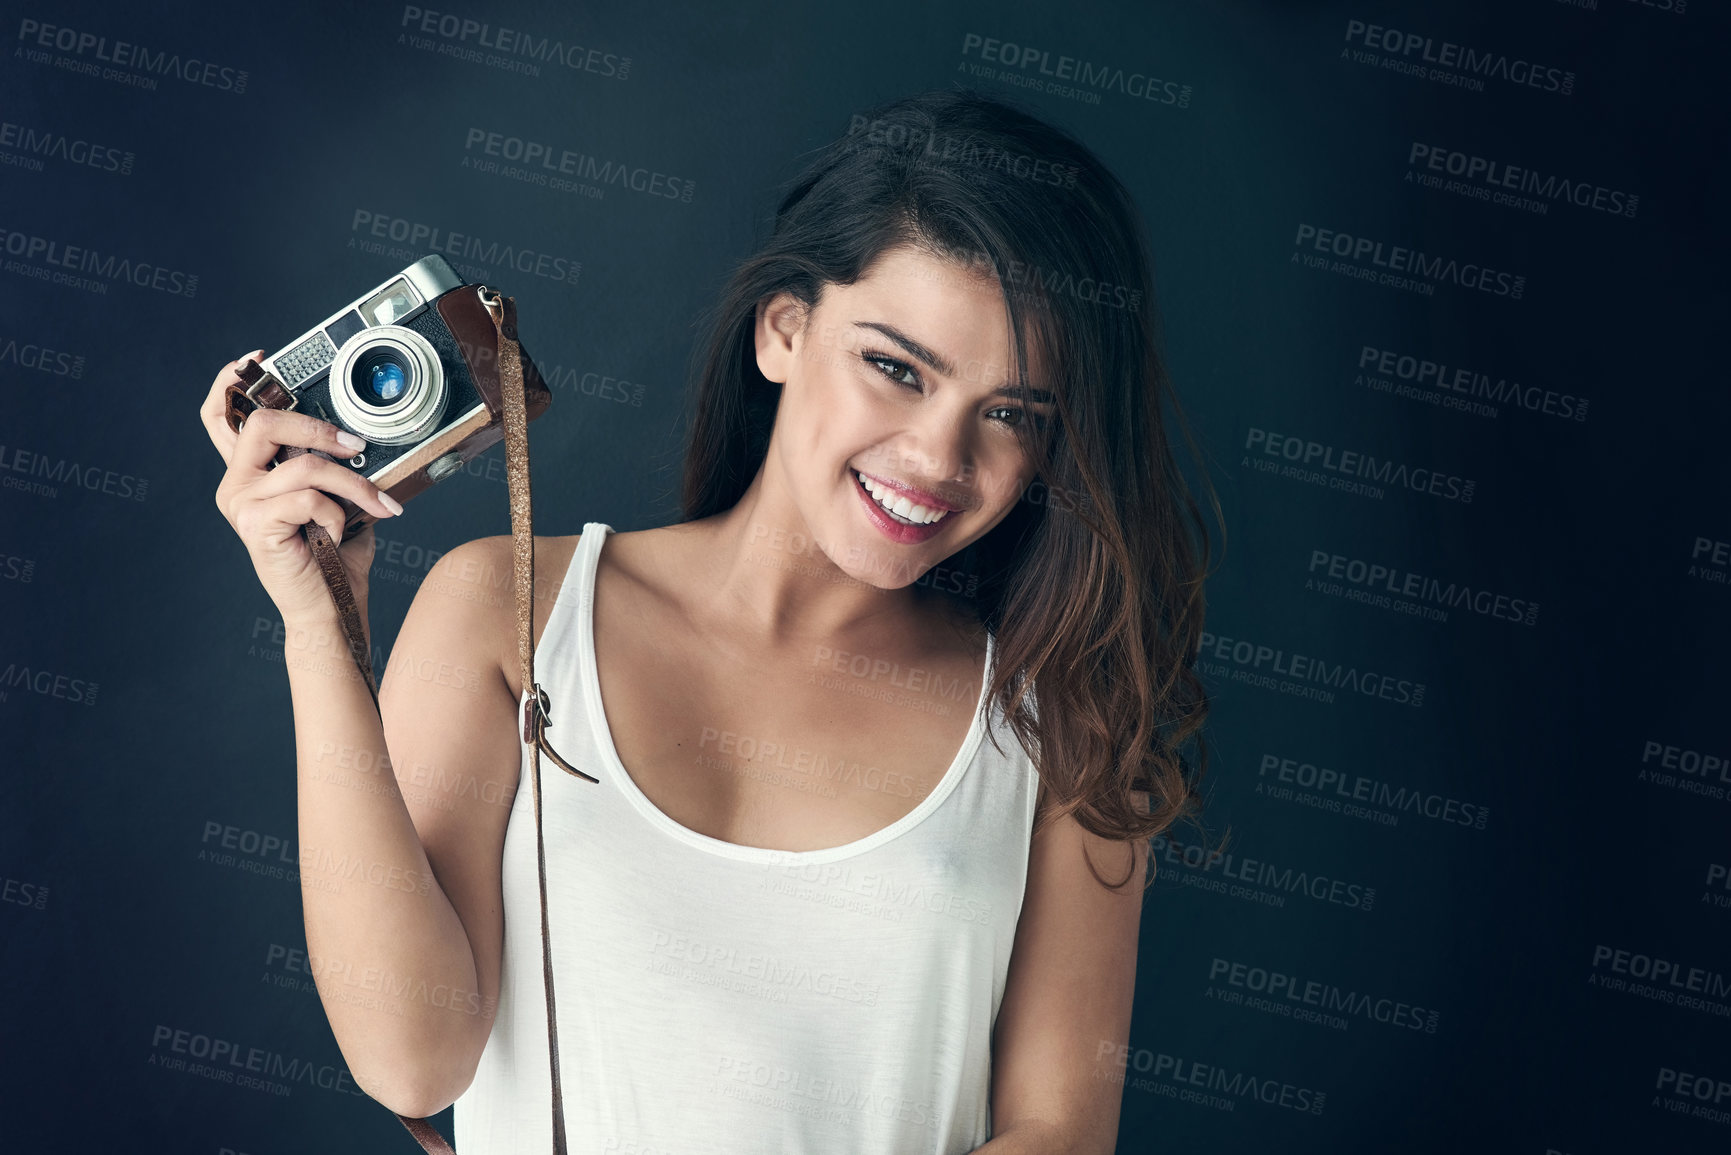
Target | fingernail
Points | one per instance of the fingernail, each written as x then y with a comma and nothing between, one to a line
391,503
349,441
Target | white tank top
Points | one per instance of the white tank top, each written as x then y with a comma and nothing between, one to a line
714,997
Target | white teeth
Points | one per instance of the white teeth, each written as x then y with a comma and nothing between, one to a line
898,505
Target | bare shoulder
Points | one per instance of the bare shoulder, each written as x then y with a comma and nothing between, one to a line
473,588
658,566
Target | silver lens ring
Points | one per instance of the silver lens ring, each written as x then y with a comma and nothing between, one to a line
412,416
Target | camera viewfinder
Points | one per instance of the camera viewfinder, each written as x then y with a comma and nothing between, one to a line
391,303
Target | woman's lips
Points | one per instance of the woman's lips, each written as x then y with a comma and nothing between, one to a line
916,496
897,531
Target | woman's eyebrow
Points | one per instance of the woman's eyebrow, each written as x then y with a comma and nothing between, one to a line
1037,396
913,347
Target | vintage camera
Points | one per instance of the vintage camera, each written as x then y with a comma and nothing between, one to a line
411,368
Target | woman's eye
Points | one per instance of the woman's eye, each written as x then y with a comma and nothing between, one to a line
893,369
1016,415
904,374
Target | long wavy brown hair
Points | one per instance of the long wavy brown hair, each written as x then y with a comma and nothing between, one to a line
1093,584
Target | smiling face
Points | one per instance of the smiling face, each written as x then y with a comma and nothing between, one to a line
895,436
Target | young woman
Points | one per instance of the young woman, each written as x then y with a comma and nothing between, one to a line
882,727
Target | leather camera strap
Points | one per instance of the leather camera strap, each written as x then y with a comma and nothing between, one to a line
536,718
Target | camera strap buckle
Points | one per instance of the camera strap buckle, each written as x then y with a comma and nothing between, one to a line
536,718
261,390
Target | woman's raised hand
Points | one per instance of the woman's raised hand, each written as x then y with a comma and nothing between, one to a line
267,505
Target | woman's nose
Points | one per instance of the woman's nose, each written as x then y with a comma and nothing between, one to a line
944,447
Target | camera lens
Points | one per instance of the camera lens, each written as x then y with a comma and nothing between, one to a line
388,385
379,376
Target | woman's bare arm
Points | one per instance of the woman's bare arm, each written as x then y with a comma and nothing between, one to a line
400,851
1057,1070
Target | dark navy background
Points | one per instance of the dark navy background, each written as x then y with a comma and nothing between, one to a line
1501,942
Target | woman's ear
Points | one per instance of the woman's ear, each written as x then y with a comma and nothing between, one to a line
779,321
